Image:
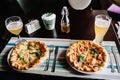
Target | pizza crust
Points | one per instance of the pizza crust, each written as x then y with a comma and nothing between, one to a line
29,54
86,56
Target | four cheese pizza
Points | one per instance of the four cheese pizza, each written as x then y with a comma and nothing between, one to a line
86,56
28,54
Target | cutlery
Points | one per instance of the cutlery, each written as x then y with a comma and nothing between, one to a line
118,29
118,32
116,59
48,60
118,23
55,56
111,62
117,26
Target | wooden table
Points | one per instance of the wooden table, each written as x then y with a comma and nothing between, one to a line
81,25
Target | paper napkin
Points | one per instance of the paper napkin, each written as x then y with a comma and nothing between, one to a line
114,8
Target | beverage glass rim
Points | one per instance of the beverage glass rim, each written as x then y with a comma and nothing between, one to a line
103,15
12,17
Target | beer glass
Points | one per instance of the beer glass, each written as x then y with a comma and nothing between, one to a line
14,25
101,26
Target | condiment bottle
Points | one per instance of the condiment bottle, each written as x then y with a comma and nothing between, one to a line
65,23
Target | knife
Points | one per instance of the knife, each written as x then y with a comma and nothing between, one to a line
55,57
116,59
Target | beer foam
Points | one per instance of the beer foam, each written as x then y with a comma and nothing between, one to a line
48,16
14,25
102,23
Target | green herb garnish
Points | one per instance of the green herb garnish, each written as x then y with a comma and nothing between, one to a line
19,56
22,58
38,54
48,14
96,64
94,50
28,47
80,58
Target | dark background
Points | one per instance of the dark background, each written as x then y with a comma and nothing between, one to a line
24,8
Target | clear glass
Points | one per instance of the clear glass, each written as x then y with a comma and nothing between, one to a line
49,20
101,26
14,25
65,23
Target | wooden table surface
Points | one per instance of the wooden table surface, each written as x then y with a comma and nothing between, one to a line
81,26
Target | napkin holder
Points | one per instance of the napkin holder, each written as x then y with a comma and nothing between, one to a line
32,26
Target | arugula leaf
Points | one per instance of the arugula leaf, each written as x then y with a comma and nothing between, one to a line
19,56
38,54
28,47
94,50
80,58
22,58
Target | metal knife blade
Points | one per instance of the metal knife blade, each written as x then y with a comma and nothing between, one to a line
55,57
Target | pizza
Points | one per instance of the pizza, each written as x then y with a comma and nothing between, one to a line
86,56
28,54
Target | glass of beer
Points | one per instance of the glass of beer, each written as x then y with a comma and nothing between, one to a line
14,25
101,26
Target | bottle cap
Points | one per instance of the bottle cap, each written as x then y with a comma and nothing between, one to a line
65,11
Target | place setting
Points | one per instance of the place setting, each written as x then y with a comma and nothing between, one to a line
65,61
62,57
60,39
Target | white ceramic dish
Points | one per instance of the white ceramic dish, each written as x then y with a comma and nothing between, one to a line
8,61
88,72
8,57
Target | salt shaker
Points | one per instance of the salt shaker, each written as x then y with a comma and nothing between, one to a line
65,23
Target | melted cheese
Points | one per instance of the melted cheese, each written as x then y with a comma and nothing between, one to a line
86,56
28,54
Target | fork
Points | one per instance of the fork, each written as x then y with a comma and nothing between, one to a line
48,60
111,62
116,59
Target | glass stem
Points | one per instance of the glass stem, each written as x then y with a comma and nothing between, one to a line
18,37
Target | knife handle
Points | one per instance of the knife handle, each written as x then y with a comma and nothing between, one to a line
55,57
